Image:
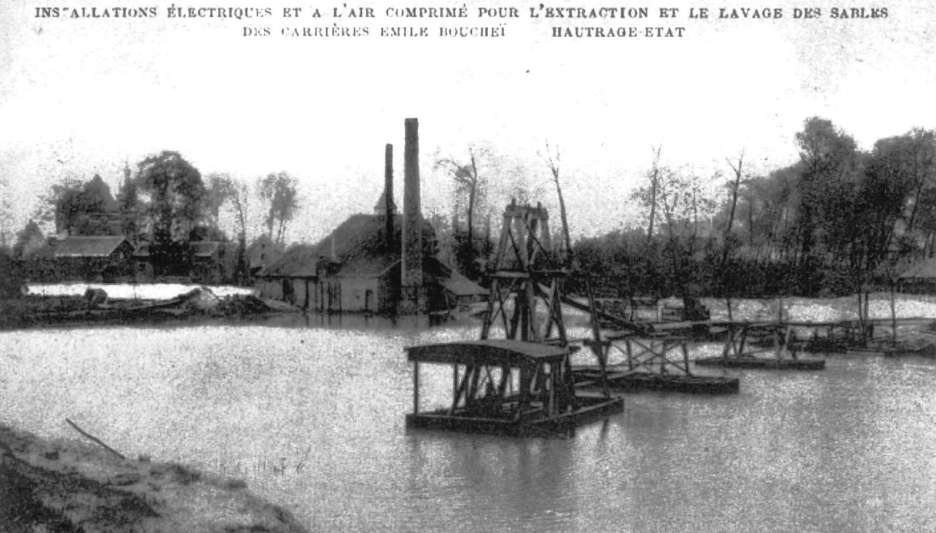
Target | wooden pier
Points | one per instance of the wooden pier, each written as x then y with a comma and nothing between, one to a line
656,362
738,353
523,384
656,357
747,342
506,387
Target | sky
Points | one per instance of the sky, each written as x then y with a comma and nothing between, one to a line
80,97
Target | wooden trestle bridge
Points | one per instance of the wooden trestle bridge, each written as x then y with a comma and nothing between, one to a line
524,383
519,377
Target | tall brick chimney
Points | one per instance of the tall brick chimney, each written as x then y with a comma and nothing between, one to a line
388,196
412,297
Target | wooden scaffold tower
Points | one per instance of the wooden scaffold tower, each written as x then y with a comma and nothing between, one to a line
523,275
521,382
525,296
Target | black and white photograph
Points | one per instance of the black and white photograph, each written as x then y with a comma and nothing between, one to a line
491,265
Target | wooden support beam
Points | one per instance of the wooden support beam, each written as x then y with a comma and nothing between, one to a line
461,390
527,302
472,393
786,342
416,387
504,380
454,380
685,352
515,319
525,379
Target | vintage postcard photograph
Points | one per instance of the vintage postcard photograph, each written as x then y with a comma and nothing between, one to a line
490,265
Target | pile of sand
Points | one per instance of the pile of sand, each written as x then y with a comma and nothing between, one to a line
72,486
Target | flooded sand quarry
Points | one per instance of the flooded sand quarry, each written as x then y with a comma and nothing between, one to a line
312,417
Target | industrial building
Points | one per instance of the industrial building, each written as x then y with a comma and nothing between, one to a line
382,262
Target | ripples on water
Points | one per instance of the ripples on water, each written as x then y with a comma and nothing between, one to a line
312,418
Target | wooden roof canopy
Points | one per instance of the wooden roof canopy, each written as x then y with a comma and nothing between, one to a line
487,353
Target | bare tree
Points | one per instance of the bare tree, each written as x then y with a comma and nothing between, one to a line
224,189
654,187
735,186
554,169
470,183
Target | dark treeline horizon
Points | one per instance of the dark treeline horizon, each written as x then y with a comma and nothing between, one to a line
838,221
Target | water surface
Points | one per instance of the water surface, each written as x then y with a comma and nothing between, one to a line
311,416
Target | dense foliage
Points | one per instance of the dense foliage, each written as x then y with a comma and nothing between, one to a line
836,221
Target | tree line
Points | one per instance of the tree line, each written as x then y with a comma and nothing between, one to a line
837,221
165,204
467,239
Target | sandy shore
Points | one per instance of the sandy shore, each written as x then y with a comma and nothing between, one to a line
68,485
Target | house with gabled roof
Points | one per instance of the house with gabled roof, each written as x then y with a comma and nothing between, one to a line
354,268
262,252
82,258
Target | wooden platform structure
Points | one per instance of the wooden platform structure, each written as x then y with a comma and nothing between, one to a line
523,383
771,345
738,353
656,362
656,357
506,387
745,345
847,336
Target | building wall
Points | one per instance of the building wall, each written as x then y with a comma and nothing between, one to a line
359,294
388,291
207,270
116,267
301,288
376,294
305,293
270,288
143,271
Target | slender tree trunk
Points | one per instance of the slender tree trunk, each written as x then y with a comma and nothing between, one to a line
863,315
565,222
243,270
281,233
472,200
893,306
916,196
563,216
654,180
731,214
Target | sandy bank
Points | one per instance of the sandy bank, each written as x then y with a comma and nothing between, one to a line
67,485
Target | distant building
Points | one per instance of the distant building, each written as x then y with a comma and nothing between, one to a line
459,292
211,262
82,258
919,277
262,253
352,269
384,262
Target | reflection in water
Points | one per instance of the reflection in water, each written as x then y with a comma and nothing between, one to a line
309,411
